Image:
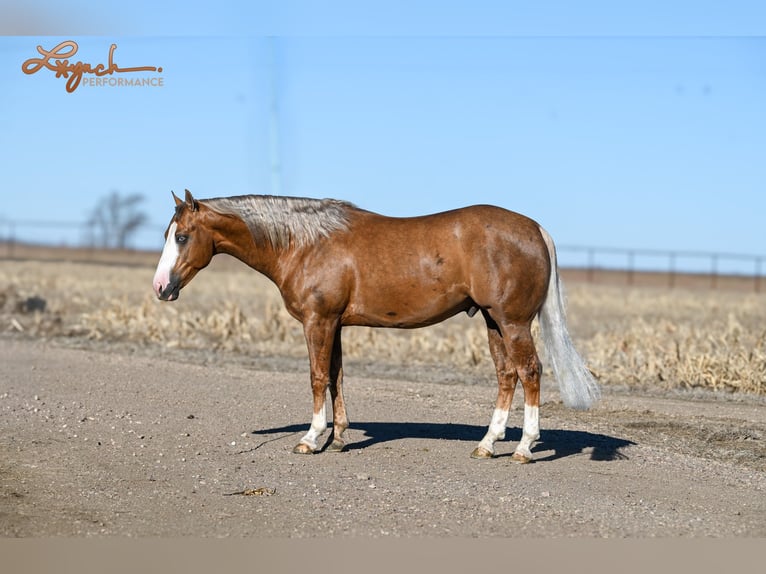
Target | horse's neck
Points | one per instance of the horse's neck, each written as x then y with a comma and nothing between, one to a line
236,240
267,260
262,259
276,263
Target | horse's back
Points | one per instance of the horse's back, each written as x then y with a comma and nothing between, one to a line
479,255
476,219
470,234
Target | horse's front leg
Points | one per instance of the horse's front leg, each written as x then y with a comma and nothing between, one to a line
339,418
320,338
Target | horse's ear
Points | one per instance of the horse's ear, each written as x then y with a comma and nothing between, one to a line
177,199
191,202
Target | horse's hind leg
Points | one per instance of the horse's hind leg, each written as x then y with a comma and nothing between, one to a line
528,368
339,418
507,378
513,351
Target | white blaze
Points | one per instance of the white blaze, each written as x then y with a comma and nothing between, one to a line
167,261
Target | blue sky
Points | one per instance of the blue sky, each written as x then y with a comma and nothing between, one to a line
638,126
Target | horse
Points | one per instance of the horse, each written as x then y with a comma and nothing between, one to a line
337,265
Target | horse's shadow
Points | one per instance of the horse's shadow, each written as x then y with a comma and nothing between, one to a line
562,443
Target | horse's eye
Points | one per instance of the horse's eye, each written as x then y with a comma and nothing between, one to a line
181,239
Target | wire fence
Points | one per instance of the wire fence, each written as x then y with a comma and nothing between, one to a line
71,234
669,268
672,268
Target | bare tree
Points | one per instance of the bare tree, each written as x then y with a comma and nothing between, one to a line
115,219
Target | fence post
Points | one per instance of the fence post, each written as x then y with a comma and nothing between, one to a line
672,269
11,240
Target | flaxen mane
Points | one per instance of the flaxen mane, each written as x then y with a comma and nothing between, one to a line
282,220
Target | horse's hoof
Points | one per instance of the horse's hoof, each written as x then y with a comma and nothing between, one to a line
481,453
521,458
302,448
336,446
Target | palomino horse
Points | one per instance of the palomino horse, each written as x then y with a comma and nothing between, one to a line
336,265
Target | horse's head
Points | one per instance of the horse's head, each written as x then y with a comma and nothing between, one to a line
189,246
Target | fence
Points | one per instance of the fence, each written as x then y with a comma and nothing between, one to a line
69,234
670,268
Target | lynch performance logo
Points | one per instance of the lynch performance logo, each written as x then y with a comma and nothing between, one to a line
58,60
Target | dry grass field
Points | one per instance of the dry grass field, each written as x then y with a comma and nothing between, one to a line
126,416
652,338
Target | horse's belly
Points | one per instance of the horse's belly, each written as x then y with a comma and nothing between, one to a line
399,309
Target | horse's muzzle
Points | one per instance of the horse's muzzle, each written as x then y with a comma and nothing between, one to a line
170,291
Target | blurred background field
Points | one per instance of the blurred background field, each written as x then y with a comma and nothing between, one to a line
635,332
635,137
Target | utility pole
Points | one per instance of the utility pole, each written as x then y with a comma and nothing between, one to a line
275,164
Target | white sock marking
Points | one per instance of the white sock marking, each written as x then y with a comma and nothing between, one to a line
496,430
318,426
531,430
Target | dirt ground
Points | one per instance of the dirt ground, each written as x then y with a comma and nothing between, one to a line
115,441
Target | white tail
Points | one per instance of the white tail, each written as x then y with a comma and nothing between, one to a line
578,388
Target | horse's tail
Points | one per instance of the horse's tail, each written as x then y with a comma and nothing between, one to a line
576,383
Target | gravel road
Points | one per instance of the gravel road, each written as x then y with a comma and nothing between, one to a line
120,443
